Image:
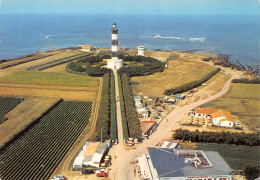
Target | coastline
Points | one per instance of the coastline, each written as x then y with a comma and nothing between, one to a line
218,59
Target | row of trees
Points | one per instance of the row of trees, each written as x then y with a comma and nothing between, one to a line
103,125
150,66
122,107
246,81
224,137
113,126
130,110
191,85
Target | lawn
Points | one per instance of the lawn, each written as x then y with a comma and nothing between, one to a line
49,78
179,72
241,100
237,157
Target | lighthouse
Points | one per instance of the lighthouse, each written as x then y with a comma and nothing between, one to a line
114,62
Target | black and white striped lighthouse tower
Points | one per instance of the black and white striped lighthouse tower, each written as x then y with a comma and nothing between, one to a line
114,62
114,46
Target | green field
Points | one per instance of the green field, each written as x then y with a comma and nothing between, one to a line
241,100
237,157
49,78
37,153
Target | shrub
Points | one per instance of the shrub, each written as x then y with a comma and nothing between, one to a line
251,171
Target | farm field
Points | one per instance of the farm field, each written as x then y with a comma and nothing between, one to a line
241,100
180,71
39,55
44,145
59,54
49,78
237,157
25,112
7,104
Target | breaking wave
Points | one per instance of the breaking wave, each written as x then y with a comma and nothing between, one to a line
197,39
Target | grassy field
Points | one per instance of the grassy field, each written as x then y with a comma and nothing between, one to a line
241,100
49,78
237,157
179,72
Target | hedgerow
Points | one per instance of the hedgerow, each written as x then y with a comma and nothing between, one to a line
150,66
246,81
84,67
113,126
103,125
191,85
130,110
223,137
122,107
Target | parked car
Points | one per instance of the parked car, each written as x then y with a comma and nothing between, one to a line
101,173
59,177
87,171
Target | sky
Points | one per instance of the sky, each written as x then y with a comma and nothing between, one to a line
130,6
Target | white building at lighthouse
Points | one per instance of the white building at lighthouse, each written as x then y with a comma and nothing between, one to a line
114,62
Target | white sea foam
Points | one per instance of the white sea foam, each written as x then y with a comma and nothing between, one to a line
46,37
197,39
166,37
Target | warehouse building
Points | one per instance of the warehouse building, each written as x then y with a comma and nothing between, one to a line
91,154
182,164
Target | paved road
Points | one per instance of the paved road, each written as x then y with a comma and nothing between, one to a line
121,167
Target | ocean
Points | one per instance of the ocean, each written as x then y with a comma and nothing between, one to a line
235,35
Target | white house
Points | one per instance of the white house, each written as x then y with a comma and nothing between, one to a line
138,102
140,50
219,117
85,48
143,112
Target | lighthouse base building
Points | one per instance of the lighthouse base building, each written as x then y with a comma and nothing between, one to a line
114,63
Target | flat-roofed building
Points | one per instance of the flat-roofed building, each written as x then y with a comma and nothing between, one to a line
183,164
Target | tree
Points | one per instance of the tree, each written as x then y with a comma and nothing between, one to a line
252,171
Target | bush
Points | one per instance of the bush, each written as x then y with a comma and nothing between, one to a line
207,59
191,85
252,171
253,81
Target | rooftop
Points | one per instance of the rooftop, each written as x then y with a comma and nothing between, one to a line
181,163
146,125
